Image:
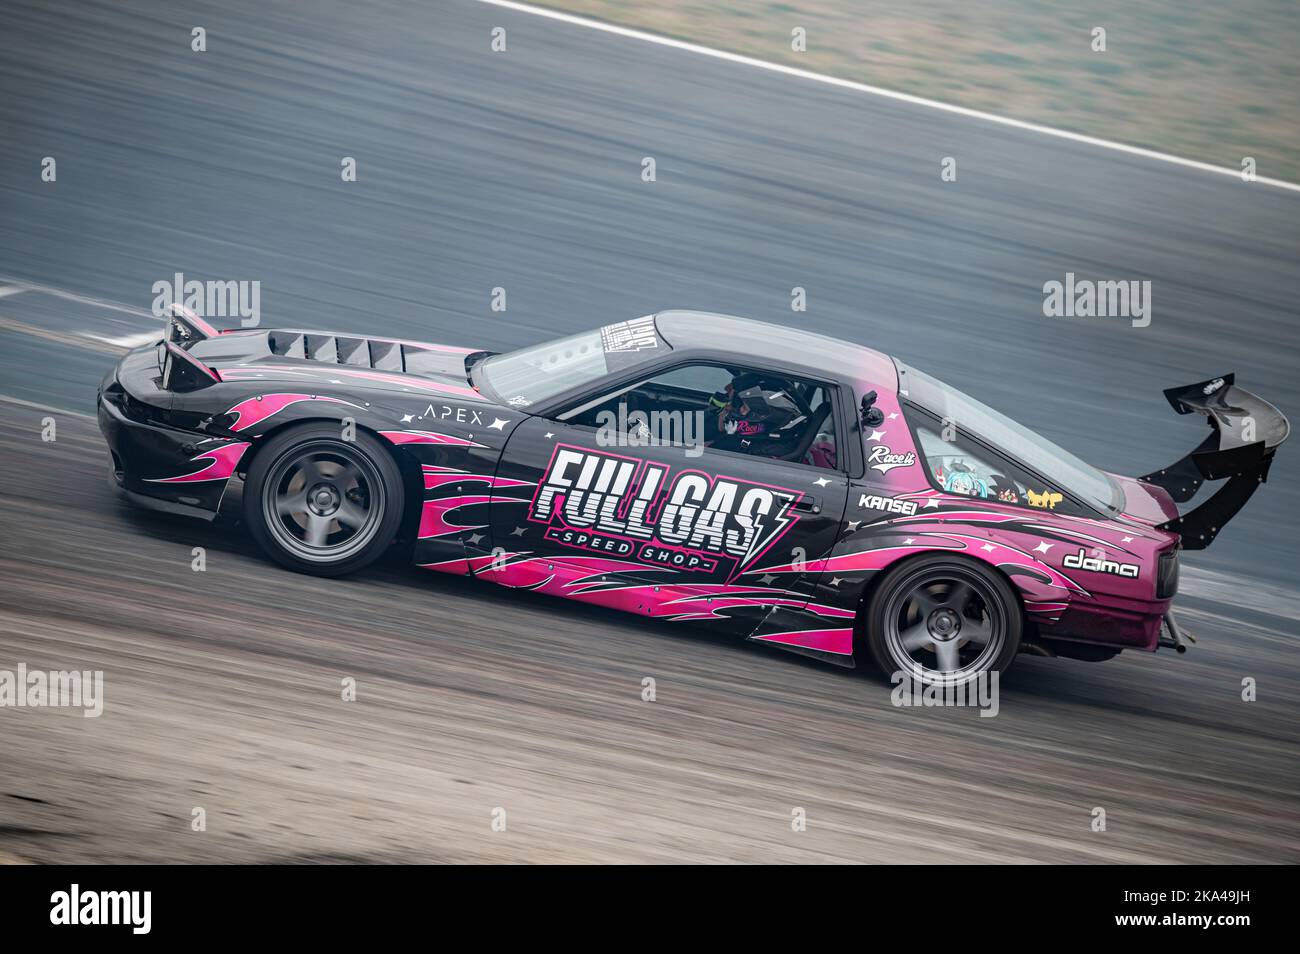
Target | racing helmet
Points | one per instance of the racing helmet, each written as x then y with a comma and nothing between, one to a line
760,411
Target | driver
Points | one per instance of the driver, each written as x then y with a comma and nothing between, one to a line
757,416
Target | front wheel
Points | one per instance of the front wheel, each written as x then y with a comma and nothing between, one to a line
943,621
320,504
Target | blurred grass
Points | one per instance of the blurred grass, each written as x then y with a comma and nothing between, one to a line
1202,80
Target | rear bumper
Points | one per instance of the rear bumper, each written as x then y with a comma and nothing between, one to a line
1108,624
1122,614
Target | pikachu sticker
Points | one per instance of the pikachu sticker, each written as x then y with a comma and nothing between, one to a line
1047,500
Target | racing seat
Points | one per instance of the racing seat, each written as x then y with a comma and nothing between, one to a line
810,431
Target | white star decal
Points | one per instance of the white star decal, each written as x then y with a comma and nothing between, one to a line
988,548
821,482
518,531
876,436
836,581
892,416
853,525
549,435
909,541
407,418
474,539
1127,540
1043,547
498,424
932,503
766,578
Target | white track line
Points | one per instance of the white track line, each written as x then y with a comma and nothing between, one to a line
19,285
1231,589
84,341
46,407
129,342
115,343
886,93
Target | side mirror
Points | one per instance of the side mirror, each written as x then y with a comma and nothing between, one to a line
871,416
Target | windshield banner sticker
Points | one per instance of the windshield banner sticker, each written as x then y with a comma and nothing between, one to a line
635,335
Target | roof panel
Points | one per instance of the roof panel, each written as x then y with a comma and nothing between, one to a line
707,331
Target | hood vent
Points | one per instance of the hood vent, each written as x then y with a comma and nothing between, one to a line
376,353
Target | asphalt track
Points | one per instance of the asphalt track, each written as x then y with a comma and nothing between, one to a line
522,170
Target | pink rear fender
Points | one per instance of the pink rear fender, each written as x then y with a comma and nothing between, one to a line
1039,554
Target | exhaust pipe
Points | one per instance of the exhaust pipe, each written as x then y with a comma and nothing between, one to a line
1172,636
1036,649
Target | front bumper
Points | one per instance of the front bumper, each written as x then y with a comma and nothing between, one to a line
152,464
155,503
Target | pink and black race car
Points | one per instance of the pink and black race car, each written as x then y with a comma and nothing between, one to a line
799,491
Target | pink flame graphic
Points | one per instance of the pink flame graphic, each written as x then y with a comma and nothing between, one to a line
428,437
221,463
258,409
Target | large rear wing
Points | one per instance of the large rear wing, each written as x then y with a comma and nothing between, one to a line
1245,432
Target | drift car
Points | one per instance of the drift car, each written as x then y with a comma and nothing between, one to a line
799,491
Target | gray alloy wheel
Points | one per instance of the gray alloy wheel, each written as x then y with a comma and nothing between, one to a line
943,621
320,504
323,501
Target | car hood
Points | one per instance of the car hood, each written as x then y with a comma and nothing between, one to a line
321,356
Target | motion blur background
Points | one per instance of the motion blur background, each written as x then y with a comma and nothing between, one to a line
521,169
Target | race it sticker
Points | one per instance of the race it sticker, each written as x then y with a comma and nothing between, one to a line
884,460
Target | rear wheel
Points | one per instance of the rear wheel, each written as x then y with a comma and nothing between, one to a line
943,621
319,504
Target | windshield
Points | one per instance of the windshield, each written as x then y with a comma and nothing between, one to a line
1052,462
538,373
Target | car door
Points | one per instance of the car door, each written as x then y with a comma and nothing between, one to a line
666,527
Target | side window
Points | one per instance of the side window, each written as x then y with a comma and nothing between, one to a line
737,410
962,466
823,451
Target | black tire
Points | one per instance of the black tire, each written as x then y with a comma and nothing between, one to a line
320,504
944,620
